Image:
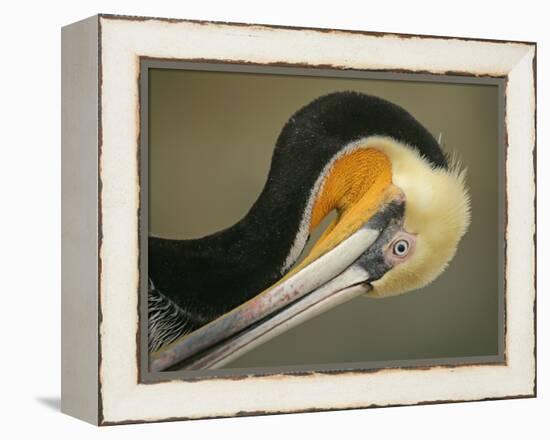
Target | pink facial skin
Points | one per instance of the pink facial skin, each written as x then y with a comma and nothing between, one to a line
401,248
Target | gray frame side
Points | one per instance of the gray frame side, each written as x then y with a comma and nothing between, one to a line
80,224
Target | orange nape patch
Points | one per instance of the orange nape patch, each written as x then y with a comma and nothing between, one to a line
349,180
356,186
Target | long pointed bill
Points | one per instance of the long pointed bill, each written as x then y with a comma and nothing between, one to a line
337,275
349,284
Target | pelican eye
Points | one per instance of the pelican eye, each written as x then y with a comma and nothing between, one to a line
401,248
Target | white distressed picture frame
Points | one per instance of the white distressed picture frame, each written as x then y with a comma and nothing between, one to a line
101,201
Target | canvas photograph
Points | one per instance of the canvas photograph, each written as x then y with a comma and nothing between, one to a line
298,222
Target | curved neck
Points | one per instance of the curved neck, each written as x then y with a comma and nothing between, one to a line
310,175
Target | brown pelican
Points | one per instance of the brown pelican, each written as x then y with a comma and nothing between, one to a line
402,208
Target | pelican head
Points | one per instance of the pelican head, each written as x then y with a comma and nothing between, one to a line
436,216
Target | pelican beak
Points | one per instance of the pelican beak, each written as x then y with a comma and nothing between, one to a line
331,275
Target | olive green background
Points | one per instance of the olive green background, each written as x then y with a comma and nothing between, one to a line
211,136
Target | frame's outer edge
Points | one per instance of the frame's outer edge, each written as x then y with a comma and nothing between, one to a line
80,226
307,28
125,400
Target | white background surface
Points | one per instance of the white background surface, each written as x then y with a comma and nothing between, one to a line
30,220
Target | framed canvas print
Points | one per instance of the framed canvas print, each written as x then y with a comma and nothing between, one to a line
262,219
